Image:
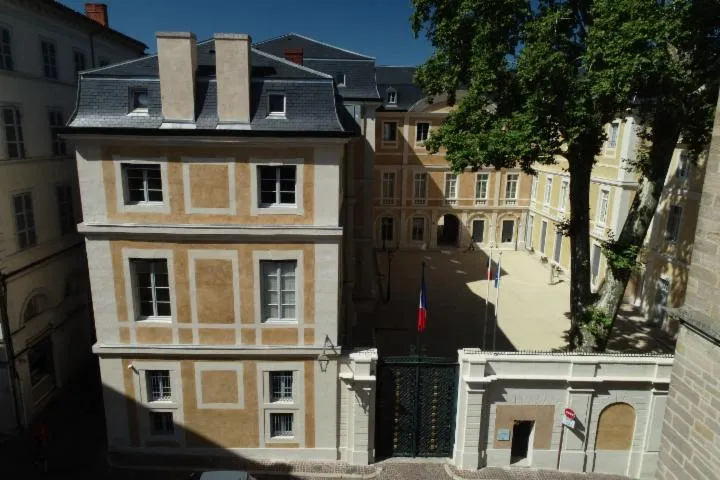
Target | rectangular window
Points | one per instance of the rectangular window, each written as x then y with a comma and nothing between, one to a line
419,188
450,188
529,227
511,186
6,59
278,290
65,209
613,136
277,185
563,195
389,132
392,97
12,125
548,192
55,119
152,287
478,231
683,166
418,229
24,220
158,385
672,229
40,360
422,130
508,231
139,100
143,183
79,61
281,425
387,229
281,387
161,423
533,189
481,188
340,79
603,207
276,105
49,59
387,193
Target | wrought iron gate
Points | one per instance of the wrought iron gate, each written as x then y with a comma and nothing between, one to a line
416,400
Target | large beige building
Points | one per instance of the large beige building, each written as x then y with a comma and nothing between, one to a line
45,309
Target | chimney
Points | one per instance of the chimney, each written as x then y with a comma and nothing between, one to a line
295,55
97,12
232,70
177,63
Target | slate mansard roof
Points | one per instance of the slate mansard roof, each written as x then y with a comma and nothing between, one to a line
359,70
312,104
400,79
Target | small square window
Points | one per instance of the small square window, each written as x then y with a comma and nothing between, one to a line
281,387
139,100
392,96
390,132
276,105
143,183
277,185
161,423
158,386
340,79
422,131
281,425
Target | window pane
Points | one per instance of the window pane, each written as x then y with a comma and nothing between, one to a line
277,103
272,297
161,280
281,424
288,311
146,309
163,309
162,294
155,195
267,197
287,197
161,423
145,294
271,311
288,282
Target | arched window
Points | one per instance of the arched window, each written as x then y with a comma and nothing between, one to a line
34,307
391,96
616,427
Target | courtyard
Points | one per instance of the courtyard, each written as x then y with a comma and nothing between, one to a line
532,311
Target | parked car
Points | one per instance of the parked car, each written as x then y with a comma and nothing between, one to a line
222,475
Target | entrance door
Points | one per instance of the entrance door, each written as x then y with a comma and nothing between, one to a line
449,230
662,292
543,233
529,232
508,231
478,231
522,431
558,246
415,410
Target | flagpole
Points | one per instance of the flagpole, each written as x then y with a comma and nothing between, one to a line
422,286
487,299
497,299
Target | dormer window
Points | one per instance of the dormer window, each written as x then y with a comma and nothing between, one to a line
276,105
392,96
139,100
340,79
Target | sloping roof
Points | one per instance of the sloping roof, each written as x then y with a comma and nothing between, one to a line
311,48
311,102
401,79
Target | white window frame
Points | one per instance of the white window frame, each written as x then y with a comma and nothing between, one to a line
256,208
121,187
533,189
601,216
421,143
512,179
413,230
236,367
17,126
344,79
53,65
391,96
58,145
132,299
139,370
450,185
282,114
611,144
547,193
481,178
268,407
673,236
28,228
529,231
132,109
4,56
387,198
278,255
390,143
683,166
562,200
278,269
420,197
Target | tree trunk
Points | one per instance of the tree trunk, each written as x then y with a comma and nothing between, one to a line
580,168
652,182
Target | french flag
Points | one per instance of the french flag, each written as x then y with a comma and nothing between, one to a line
422,308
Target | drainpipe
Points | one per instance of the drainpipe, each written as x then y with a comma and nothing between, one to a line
9,350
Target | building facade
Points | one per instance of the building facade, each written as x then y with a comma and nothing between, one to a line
690,446
45,308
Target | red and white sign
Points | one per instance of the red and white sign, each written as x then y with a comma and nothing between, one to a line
568,418
569,413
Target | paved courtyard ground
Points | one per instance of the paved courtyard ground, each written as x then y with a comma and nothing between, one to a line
532,314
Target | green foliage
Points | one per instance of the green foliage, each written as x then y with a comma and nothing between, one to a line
622,258
597,323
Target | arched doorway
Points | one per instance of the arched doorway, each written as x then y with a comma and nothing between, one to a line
448,231
614,438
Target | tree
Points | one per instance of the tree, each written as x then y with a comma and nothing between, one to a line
543,78
528,99
665,55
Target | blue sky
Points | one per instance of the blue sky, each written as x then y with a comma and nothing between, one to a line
379,28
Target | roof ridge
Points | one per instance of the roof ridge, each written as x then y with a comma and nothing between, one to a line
318,42
292,64
113,65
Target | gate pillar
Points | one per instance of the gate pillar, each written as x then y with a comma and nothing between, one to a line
471,422
359,379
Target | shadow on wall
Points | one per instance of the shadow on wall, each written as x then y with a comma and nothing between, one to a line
456,315
76,442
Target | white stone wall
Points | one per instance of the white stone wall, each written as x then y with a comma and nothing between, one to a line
585,383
